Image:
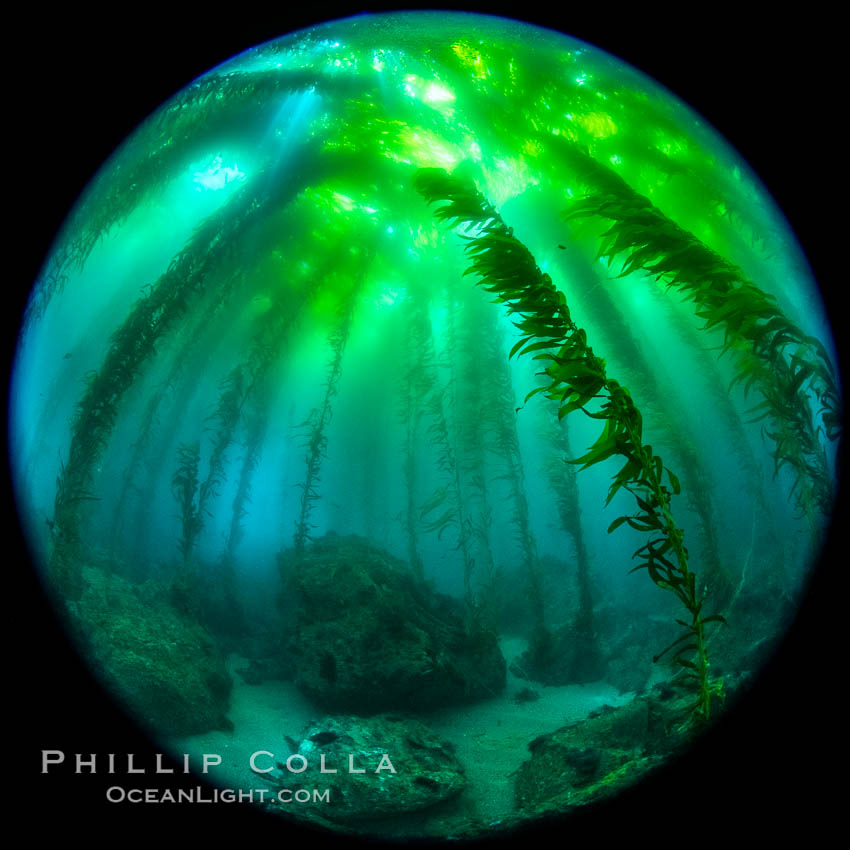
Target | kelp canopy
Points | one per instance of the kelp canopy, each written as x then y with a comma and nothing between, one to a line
253,330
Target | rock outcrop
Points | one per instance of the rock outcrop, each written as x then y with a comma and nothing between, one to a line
372,637
156,660
359,769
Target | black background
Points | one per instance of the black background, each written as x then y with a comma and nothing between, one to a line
78,82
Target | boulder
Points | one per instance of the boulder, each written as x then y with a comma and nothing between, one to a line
372,637
598,756
566,656
159,663
357,769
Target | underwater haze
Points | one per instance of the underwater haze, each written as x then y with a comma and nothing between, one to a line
428,366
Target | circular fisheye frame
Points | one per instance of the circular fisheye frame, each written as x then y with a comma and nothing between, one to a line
425,425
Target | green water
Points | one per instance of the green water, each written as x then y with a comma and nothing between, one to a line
253,331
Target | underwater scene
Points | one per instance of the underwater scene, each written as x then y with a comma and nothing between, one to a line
426,426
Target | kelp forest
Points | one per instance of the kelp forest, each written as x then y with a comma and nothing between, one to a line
417,365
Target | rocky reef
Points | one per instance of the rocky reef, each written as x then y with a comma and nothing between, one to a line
368,768
597,757
372,637
159,663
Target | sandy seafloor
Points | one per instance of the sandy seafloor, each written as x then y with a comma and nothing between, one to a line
490,737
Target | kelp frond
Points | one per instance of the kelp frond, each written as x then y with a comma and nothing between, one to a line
770,352
576,377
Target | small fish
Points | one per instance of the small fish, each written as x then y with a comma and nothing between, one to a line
67,356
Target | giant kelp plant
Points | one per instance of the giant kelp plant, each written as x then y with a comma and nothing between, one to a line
421,236
576,378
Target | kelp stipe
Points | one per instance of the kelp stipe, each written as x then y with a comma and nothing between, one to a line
589,664
316,425
185,484
258,424
577,377
445,509
226,414
467,433
414,385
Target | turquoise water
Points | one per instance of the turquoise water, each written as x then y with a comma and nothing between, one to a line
367,210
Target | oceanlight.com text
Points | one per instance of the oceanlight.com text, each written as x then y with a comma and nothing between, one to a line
200,794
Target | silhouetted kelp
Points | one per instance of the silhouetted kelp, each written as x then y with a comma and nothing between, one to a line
209,255
316,424
184,485
562,482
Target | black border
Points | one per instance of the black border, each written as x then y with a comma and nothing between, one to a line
80,81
